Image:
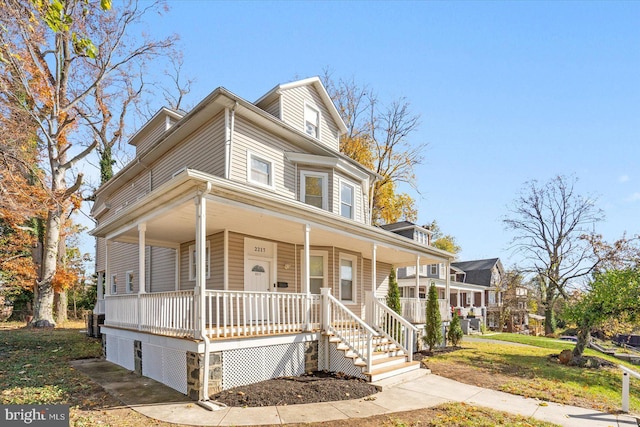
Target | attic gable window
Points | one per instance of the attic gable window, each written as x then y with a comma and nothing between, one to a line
311,121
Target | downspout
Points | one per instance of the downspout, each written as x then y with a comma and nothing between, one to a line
371,191
205,403
230,120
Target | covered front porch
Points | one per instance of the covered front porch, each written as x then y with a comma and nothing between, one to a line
216,263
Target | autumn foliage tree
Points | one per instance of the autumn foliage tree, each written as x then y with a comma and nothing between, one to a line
379,137
53,57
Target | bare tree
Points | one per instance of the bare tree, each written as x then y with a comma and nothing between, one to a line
550,221
60,53
378,137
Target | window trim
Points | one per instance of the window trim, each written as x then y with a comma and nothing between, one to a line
128,281
192,261
325,187
342,182
270,185
354,278
310,106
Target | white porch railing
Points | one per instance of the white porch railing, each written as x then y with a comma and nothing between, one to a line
626,372
414,310
349,328
391,325
165,313
233,314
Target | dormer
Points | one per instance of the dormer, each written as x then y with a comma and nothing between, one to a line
162,121
410,231
305,105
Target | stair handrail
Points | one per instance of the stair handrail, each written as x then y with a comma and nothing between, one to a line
349,328
391,325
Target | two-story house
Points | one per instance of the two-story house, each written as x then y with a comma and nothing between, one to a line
240,236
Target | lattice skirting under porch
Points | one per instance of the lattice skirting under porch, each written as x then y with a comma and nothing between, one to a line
251,365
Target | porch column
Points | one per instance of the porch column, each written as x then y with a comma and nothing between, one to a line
374,261
99,307
142,228
306,281
447,287
417,295
459,301
201,248
107,267
483,310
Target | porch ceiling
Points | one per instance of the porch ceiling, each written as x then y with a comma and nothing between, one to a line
177,225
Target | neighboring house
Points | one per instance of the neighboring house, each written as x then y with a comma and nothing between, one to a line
470,288
237,246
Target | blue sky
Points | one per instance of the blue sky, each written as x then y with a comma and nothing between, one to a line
507,91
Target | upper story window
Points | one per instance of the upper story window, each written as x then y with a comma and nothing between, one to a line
347,198
314,189
434,269
311,121
260,170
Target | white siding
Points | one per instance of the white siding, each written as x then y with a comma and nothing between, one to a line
293,101
216,276
123,257
273,108
249,138
100,251
162,268
203,150
151,135
127,194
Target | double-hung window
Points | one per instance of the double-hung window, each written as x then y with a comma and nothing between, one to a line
314,188
318,270
260,170
347,198
347,278
129,281
114,284
193,258
311,121
434,269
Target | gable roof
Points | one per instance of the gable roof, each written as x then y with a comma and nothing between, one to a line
478,272
317,84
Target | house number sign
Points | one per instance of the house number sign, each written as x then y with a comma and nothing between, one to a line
260,248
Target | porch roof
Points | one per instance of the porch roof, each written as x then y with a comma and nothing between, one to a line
169,214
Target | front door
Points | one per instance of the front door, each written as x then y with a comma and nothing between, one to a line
259,276
258,280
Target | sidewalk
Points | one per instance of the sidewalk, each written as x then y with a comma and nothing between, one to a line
416,392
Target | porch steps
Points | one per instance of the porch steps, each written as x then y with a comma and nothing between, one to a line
387,359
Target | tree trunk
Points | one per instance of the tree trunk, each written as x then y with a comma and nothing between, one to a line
549,320
584,336
61,302
43,295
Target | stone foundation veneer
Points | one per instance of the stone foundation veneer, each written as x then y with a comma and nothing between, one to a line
311,356
195,374
137,357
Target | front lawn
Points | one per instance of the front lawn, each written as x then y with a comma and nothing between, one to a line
529,371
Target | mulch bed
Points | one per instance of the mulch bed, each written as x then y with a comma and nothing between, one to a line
314,387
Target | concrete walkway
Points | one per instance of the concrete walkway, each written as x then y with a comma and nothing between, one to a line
404,393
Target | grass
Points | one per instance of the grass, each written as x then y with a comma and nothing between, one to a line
463,415
531,373
35,368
